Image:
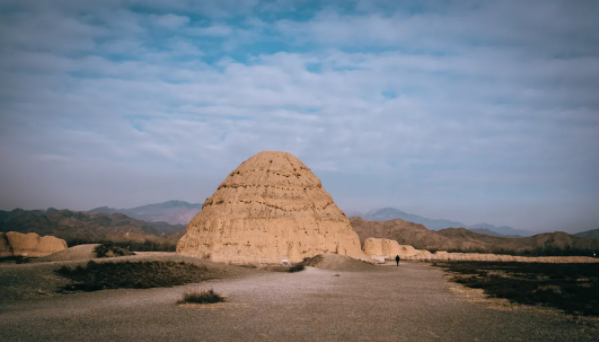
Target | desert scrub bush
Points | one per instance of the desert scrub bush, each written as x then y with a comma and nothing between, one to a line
202,297
296,268
131,275
110,251
283,268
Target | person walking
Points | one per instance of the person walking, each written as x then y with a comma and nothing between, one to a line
397,260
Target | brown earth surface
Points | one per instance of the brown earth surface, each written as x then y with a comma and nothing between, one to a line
270,208
412,302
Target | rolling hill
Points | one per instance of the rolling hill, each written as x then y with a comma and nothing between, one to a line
172,212
485,231
591,234
419,236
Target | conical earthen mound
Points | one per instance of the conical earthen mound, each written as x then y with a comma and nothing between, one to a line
272,207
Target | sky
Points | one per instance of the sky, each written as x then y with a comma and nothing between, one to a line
476,111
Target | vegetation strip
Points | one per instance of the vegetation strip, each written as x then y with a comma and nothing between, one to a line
572,288
132,275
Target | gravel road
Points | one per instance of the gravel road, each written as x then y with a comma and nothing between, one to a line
408,303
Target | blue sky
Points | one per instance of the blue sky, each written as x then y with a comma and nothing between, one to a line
465,110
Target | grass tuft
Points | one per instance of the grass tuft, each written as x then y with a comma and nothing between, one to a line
202,297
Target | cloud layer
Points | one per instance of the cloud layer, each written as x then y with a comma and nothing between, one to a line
463,110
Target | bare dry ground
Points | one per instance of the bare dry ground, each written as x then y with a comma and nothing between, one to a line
412,302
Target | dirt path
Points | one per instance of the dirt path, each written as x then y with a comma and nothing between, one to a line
407,303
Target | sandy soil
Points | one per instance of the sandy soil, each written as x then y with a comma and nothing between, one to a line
412,302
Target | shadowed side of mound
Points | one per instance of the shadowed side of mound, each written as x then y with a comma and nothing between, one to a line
339,263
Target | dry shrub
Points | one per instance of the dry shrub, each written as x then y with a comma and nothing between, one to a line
202,297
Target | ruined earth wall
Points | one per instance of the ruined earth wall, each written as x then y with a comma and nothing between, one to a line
445,256
271,208
32,245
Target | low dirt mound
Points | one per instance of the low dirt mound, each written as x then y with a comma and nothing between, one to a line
340,263
80,252
40,280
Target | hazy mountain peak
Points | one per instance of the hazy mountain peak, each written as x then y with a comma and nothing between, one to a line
390,213
173,211
593,234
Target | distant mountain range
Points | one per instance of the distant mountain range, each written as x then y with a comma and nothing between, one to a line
593,234
82,227
172,212
386,214
91,227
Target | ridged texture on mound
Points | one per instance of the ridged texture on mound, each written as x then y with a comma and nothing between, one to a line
272,207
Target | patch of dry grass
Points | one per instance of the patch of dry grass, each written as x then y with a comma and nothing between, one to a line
572,288
202,297
132,275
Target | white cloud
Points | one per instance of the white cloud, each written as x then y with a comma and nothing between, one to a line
503,118
171,20
213,30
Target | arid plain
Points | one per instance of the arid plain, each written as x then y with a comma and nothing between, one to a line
412,302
